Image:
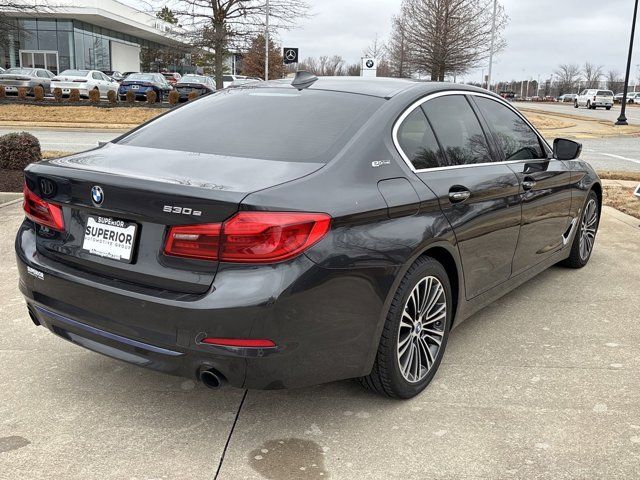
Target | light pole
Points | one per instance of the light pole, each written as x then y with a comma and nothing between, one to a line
622,119
493,39
266,45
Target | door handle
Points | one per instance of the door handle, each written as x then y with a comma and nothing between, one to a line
528,183
458,196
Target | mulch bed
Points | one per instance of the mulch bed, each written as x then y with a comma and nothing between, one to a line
11,180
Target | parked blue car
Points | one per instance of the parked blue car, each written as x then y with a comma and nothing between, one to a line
143,83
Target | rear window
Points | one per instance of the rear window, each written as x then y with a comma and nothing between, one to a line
605,93
20,71
75,73
147,77
227,78
266,123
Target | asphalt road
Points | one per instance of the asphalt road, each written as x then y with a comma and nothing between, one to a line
67,140
543,384
632,112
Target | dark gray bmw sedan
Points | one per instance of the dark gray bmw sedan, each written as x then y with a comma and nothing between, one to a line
291,233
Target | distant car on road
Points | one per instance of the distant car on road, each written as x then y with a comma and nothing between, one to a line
200,84
229,79
633,97
172,77
567,98
143,83
84,81
593,98
114,74
2,70
28,78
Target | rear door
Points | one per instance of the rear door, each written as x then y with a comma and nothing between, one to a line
545,183
444,141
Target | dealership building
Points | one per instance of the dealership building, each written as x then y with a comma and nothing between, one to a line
94,34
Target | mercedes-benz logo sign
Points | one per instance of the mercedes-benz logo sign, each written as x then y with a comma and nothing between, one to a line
97,195
369,63
290,55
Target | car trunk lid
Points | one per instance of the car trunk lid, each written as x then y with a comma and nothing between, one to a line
144,192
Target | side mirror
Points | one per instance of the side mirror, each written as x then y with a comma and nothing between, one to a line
564,149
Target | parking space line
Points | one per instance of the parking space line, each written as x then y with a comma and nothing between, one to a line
620,157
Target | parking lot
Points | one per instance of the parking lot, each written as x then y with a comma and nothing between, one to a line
541,385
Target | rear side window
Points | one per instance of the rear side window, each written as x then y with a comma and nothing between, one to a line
458,130
516,139
418,142
267,123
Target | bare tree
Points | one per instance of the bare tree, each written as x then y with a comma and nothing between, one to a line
221,24
592,75
451,36
324,65
353,70
615,82
398,48
376,49
568,76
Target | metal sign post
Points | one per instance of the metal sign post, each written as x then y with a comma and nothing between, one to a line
266,45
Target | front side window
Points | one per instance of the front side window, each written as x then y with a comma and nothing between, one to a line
515,137
418,142
458,130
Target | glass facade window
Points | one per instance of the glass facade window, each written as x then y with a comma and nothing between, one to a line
80,45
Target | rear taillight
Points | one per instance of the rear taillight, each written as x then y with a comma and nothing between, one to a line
43,213
194,241
240,342
249,237
79,81
594,98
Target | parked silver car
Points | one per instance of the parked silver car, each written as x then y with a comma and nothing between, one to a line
84,81
29,78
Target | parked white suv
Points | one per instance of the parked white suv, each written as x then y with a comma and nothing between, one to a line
594,98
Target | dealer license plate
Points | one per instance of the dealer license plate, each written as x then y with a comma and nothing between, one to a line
109,238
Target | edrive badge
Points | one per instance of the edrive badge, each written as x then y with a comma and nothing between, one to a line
97,195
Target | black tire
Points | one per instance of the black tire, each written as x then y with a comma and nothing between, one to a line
577,259
575,104
608,108
386,377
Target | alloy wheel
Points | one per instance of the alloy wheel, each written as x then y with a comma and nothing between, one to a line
588,229
421,330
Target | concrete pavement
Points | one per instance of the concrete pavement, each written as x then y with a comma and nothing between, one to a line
632,112
543,384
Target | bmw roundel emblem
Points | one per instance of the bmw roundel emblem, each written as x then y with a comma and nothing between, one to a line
97,195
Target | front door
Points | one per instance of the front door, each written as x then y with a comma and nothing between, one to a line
449,150
39,59
545,184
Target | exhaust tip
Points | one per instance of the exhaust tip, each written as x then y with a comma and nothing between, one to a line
33,316
212,379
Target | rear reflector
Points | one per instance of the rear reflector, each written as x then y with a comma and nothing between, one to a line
249,237
41,212
239,342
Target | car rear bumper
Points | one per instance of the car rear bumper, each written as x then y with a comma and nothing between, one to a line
323,323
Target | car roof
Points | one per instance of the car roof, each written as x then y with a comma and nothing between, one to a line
384,87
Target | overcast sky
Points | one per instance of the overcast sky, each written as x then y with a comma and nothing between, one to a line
540,35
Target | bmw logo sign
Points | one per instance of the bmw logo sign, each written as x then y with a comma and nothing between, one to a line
97,195
370,63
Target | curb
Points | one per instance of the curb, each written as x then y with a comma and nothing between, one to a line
633,222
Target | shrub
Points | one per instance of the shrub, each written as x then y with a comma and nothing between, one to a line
112,96
94,96
17,150
174,97
192,96
38,93
131,97
3,92
152,96
74,95
22,93
57,94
